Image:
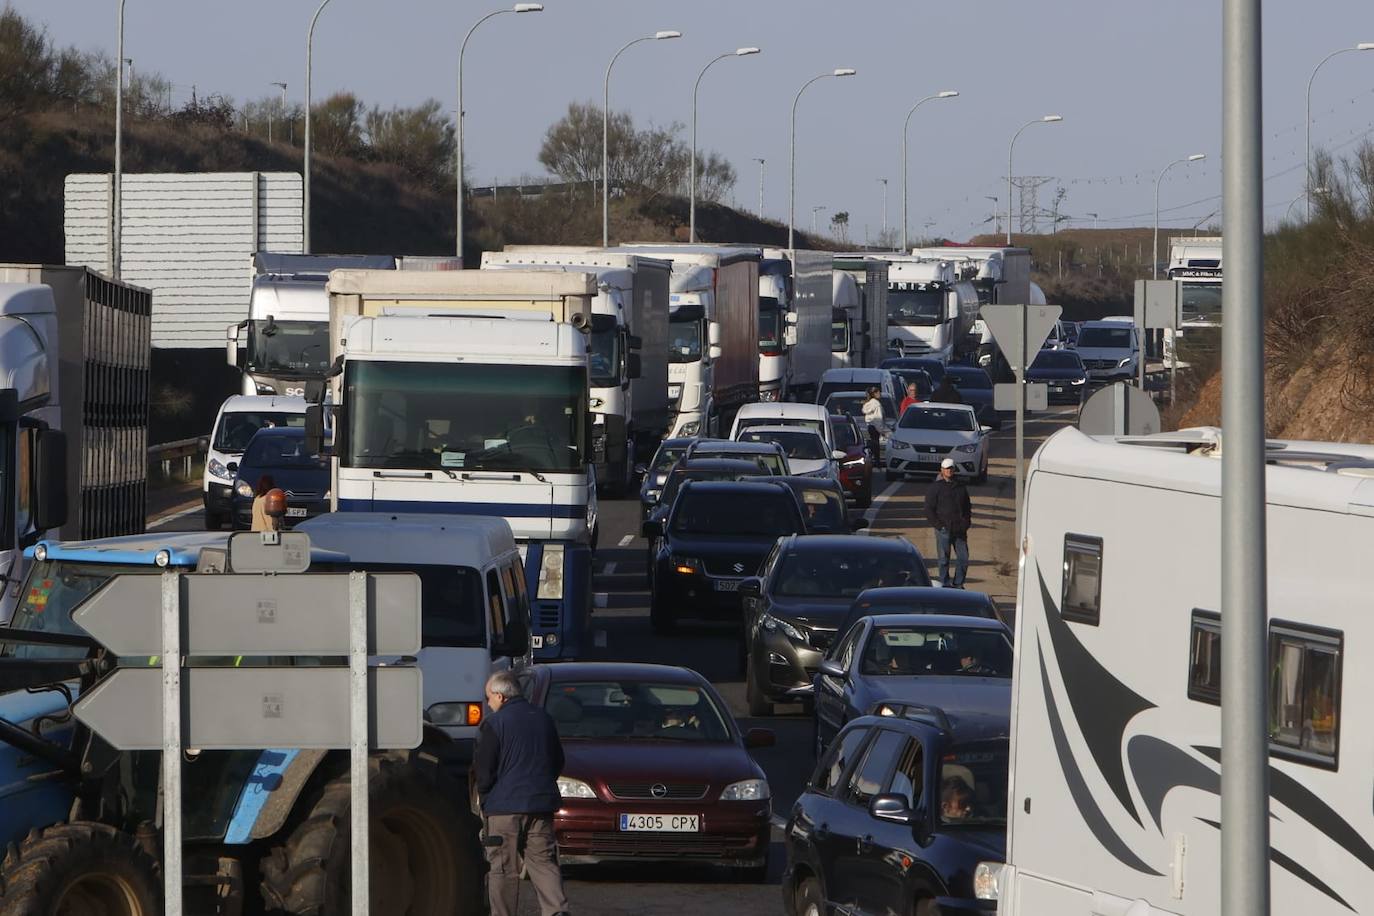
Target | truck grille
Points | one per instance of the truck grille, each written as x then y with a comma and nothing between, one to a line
645,791
548,617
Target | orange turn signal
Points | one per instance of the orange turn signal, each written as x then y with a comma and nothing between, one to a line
473,713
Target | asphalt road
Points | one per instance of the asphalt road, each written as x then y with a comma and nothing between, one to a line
620,628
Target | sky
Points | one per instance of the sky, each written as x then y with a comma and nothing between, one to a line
1137,83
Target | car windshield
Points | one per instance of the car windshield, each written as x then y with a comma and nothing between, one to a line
723,512
970,379
931,367
776,421
800,445
630,710
1201,302
236,428
1104,338
684,341
915,377
973,784
665,458
771,462
845,573
681,475
465,416
53,591
914,651
280,452
290,349
853,405
1057,359
919,307
844,434
939,418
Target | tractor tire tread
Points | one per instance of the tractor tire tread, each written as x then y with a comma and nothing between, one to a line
42,865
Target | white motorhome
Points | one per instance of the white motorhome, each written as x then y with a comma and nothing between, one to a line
1114,803
1195,262
930,310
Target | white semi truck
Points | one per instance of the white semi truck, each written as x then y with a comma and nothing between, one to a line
713,333
466,392
930,308
628,363
858,315
1195,262
74,352
795,289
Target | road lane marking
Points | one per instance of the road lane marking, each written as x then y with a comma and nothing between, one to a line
625,541
173,516
871,514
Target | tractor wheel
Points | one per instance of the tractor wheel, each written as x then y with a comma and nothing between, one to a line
79,867
424,853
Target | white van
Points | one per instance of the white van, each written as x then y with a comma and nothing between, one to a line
811,416
239,417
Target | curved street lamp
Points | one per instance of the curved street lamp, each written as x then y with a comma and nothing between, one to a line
309,53
947,94
692,218
662,35
792,193
1047,119
1195,157
1307,180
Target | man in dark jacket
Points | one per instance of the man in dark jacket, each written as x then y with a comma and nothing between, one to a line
517,764
950,513
946,393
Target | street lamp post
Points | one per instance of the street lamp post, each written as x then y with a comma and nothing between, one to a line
309,49
1307,180
661,35
947,94
792,182
281,108
1195,157
760,162
692,206
883,182
814,211
116,233
458,164
1047,119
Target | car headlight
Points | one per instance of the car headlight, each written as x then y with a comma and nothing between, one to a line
551,574
1124,363
689,430
574,788
1078,381
898,445
244,489
967,449
217,469
768,396
987,880
687,566
454,714
788,629
747,790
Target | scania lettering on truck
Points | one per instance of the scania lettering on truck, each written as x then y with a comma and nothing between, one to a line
713,331
465,392
283,345
794,330
74,351
930,310
858,315
628,362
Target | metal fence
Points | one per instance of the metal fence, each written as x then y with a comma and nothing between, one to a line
176,458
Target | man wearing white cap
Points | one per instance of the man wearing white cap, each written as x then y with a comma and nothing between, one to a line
950,512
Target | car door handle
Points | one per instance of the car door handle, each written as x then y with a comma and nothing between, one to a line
865,843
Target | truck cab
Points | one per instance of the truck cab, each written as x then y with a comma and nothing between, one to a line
930,309
777,328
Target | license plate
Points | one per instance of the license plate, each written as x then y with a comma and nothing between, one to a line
295,512
661,823
536,642
1057,389
929,459
727,585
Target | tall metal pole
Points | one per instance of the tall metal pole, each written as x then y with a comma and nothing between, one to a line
117,232
606,132
906,126
1307,122
792,158
281,108
1047,119
692,193
883,182
1195,157
1020,374
309,65
760,162
1244,602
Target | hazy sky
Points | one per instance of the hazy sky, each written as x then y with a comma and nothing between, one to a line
1138,84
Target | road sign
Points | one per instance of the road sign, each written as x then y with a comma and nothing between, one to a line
1020,329
1157,303
283,552
1119,410
1004,396
250,708
236,614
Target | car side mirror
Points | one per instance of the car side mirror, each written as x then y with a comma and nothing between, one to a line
891,808
859,524
839,455
753,587
641,470
760,737
985,429
50,480
831,668
652,528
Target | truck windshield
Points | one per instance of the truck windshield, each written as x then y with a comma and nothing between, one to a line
603,356
465,417
289,349
770,330
839,337
920,307
236,429
53,591
1201,302
684,341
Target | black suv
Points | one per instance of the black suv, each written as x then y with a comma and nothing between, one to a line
896,817
714,537
802,592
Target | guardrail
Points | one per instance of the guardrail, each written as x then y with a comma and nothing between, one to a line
184,451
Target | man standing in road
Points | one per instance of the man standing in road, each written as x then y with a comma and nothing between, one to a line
950,513
517,763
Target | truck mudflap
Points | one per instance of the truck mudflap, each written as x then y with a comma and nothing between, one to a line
559,613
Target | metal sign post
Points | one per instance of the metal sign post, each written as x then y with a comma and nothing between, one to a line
1157,306
256,613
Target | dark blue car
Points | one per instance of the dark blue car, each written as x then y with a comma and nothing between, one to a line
1062,373
897,817
975,389
280,453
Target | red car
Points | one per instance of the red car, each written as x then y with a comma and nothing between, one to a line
656,768
856,470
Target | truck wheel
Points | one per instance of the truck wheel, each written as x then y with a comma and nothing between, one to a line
424,853
79,867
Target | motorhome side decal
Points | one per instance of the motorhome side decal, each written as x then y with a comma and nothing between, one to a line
1159,768
1287,864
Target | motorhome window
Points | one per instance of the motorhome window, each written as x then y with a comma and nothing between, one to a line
684,341
833,765
288,348
496,609
770,324
919,307
1105,338
871,775
839,337
236,428
1082,578
603,353
1304,693
1201,302
465,417
1204,658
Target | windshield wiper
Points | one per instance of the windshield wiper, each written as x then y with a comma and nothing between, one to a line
501,472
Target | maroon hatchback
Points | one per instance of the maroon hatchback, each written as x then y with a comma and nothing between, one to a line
656,770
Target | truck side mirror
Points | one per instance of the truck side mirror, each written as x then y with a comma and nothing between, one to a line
50,479
713,333
231,345
314,429
633,366
9,405
715,351
634,342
